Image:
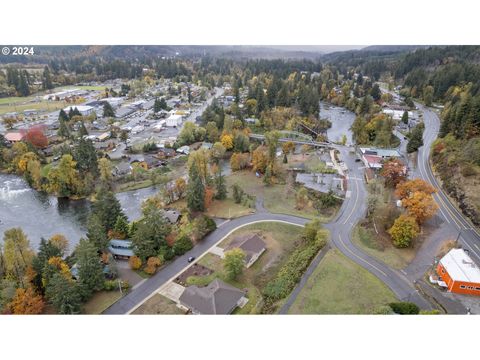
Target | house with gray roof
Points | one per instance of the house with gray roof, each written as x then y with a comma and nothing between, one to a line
217,298
252,245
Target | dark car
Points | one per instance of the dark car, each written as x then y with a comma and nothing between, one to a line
358,160
191,258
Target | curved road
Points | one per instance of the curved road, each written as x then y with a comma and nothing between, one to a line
456,222
139,294
352,210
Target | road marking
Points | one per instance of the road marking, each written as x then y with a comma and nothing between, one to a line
154,292
354,205
348,194
365,261
466,243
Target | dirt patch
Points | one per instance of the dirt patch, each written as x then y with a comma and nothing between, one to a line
194,270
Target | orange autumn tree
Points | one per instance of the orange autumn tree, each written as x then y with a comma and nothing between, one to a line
394,172
208,197
421,206
26,302
260,159
407,188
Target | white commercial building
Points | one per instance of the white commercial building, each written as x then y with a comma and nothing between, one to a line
174,120
84,110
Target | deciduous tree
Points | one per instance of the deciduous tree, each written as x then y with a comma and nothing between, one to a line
404,230
233,263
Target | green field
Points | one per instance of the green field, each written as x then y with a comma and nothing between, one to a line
100,301
339,286
384,251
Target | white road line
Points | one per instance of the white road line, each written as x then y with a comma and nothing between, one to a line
365,261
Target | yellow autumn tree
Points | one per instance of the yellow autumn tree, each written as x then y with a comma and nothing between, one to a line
404,230
227,141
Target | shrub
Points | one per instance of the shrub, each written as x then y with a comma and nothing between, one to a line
182,245
153,263
237,193
135,263
111,285
291,272
166,253
404,308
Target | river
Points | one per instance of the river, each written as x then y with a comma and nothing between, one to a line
42,215
341,119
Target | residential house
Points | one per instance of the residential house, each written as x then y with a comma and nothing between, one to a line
184,150
217,298
252,245
459,272
14,137
164,153
120,248
172,216
122,169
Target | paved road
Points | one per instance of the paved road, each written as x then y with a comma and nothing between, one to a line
143,291
352,211
456,221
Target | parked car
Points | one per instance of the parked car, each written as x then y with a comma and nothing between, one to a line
191,258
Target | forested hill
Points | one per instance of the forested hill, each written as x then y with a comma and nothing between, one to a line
450,76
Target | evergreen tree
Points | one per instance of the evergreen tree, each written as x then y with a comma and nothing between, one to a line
83,130
46,250
46,79
90,269
220,185
150,234
107,208
405,117
62,116
121,226
63,294
195,190
63,130
96,232
375,93
108,110
416,138
85,155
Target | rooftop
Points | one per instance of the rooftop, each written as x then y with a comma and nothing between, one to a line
215,298
460,266
251,244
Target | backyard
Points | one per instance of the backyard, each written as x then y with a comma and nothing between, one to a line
339,286
280,241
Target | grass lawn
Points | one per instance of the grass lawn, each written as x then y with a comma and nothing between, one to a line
339,286
20,106
276,198
133,185
227,209
158,304
382,249
100,301
280,240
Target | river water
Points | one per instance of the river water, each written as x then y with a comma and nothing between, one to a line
41,215
341,119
